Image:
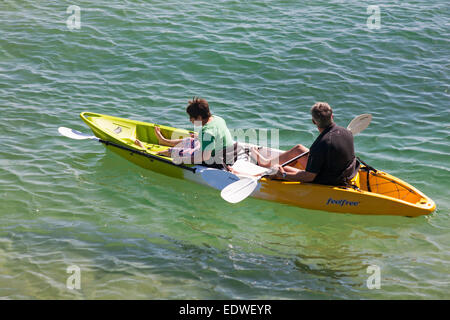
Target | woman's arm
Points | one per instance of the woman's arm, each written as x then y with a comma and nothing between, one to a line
167,142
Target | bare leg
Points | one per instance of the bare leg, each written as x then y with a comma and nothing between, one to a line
260,160
282,158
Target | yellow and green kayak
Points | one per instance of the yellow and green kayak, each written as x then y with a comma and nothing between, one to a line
379,193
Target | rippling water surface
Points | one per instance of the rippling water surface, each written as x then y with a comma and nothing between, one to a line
261,64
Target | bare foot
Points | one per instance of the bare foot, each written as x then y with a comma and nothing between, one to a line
260,160
166,153
138,143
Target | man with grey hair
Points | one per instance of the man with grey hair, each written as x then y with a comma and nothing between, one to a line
331,159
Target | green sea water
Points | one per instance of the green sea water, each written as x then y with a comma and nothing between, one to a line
136,234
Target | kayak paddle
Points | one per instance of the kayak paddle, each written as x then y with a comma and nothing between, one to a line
239,190
77,135
74,134
359,123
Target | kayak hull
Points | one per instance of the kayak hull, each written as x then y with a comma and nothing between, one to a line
340,199
379,194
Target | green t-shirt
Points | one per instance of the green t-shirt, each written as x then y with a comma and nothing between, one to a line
215,135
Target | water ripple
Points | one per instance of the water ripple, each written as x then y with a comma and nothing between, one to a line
260,64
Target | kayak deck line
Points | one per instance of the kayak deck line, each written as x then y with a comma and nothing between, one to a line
148,155
379,193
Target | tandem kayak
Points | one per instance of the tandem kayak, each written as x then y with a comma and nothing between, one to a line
379,193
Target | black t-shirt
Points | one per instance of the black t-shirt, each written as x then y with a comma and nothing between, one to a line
332,156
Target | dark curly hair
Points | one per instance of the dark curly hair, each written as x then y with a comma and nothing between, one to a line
198,107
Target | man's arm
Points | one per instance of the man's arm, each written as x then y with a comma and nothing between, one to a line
294,174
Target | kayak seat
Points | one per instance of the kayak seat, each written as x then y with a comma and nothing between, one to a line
146,134
354,182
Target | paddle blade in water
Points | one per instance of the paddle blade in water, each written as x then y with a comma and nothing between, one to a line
239,190
74,134
359,123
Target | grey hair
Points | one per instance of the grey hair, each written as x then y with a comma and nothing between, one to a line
321,113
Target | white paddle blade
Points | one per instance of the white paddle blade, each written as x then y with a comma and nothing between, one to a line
238,191
74,134
218,179
245,167
360,123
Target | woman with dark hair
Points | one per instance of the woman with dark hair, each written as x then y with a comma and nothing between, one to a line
215,138
214,145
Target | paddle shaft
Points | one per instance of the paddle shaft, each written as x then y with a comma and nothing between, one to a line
294,159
